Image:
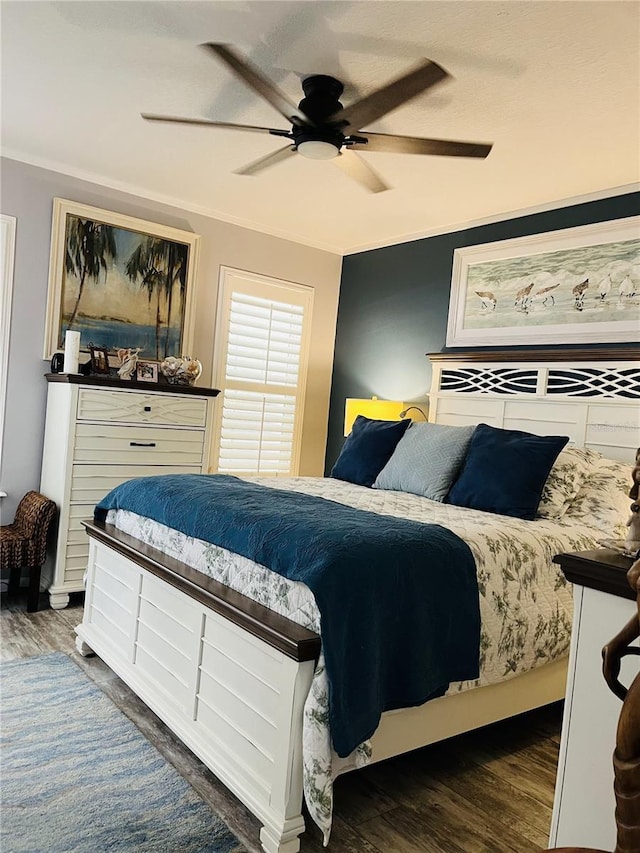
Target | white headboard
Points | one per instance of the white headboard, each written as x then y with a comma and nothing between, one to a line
593,397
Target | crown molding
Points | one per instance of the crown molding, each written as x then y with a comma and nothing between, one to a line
597,195
343,251
141,192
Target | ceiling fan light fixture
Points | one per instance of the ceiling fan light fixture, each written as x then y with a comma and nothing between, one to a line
318,149
321,126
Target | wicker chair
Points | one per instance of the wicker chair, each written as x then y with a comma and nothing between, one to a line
23,544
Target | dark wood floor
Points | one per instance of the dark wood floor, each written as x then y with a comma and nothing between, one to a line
490,790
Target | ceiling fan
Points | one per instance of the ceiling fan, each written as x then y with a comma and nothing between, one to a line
322,129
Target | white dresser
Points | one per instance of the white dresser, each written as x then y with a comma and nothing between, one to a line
584,805
100,432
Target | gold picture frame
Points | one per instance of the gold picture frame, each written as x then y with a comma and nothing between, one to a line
121,281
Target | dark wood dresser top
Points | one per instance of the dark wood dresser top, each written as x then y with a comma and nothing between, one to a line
124,384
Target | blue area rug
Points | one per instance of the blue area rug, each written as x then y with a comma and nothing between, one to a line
78,776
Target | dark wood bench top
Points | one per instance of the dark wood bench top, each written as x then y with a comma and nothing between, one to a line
277,631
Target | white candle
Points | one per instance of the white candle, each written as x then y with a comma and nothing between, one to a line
71,352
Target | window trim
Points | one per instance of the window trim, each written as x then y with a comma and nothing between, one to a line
288,289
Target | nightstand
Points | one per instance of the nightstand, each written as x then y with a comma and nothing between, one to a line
603,602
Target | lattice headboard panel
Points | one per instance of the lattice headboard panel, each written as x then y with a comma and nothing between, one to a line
596,402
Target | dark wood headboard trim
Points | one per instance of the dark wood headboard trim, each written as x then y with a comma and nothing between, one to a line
277,631
630,353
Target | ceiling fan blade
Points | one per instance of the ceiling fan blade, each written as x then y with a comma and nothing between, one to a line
224,124
253,78
265,162
419,145
382,101
356,168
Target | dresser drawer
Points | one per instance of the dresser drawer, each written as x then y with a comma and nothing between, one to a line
138,445
136,407
91,482
78,513
76,549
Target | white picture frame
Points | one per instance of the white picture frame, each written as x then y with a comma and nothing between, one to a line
577,285
147,371
115,305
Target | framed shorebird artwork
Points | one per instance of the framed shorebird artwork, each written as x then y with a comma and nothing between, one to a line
121,282
579,285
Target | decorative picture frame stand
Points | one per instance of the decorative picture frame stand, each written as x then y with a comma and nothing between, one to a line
99,359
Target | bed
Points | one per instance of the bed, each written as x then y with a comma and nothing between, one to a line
229,654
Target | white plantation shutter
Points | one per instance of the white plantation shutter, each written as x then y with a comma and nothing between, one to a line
264,341
257,433
261,353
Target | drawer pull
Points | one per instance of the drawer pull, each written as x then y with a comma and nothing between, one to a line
142,444
147,408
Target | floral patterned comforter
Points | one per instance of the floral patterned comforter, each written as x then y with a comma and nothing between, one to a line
525,603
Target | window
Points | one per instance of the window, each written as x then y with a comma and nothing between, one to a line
261,363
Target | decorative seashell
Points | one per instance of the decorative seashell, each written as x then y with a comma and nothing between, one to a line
182,370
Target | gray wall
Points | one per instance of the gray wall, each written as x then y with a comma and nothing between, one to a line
394,304
27,193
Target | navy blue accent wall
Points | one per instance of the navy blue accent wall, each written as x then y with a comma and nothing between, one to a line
394,303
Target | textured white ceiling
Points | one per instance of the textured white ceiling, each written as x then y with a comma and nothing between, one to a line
554,85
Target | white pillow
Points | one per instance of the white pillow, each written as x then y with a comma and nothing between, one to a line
569,472
426,460
603,501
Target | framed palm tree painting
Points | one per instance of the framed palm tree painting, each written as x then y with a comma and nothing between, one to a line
121,282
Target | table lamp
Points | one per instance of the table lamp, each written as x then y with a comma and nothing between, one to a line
374,409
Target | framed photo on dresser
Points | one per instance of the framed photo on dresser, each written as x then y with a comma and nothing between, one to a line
99,359
147,371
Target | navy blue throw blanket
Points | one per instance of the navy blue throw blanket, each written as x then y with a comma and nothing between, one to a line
398,600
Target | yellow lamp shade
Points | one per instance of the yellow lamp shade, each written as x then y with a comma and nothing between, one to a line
377,410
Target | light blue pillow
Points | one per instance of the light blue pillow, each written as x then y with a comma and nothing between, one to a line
426,460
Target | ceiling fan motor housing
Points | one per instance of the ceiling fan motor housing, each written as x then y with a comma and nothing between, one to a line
319,104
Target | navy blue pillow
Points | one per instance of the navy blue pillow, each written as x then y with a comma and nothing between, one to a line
367,449
505,470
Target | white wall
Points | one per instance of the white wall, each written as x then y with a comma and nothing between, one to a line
26,192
